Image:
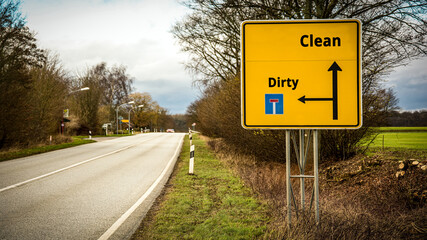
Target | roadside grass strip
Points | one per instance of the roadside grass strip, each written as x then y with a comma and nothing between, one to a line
211,204
42,149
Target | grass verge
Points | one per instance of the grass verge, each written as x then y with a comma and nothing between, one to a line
360,198
18,153
211,204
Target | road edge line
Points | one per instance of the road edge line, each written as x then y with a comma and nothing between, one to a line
110,231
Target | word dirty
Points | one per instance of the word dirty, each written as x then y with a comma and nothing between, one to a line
277,82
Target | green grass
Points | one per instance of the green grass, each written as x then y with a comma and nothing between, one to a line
402,129
407,140
42,149
211,204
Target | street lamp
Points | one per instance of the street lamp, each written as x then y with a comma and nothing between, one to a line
117,115
79,90
157,120
132,102
74,91
140,106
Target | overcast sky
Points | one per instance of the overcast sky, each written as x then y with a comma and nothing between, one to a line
133,33
136,34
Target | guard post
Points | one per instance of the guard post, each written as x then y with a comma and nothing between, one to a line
301,76
191,163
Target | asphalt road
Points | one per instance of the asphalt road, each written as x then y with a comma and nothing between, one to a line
95,191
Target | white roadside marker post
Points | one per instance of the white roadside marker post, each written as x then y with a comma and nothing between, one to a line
191,167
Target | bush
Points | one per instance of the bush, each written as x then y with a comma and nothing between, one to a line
371,205
218,115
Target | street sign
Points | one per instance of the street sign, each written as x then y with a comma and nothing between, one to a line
301,74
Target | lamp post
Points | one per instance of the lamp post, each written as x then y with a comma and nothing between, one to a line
79,90
74,91
117,115
140,106
157,120
131,110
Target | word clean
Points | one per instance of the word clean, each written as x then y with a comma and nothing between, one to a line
292,83
319,42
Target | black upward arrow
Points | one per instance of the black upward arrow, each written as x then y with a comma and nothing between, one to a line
334,68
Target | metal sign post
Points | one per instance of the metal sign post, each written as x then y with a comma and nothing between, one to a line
316,174
301,153
303,75
288,177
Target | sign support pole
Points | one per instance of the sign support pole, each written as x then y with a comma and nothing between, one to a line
288,176
301,161
302,165
316,174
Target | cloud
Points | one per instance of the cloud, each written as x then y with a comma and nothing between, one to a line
410,84
133,33
136,34
174,94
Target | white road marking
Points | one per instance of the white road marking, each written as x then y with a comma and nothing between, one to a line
123,218
66,168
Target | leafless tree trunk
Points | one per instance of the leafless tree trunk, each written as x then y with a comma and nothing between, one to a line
394,32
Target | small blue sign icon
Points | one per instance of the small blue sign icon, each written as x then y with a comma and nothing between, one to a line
273,103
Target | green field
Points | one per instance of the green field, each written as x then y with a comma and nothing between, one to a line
401,139
402,129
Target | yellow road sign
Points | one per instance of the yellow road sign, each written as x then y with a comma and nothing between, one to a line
301,74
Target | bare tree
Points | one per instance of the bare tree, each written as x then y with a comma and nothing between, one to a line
18,51
88,103
394,32
47,99
109,87
116,84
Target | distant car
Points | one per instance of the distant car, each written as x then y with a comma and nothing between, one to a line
170,130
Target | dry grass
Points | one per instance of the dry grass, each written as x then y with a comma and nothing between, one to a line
360,198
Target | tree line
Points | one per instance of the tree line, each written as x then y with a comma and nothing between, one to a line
393,32
407,119
39,98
